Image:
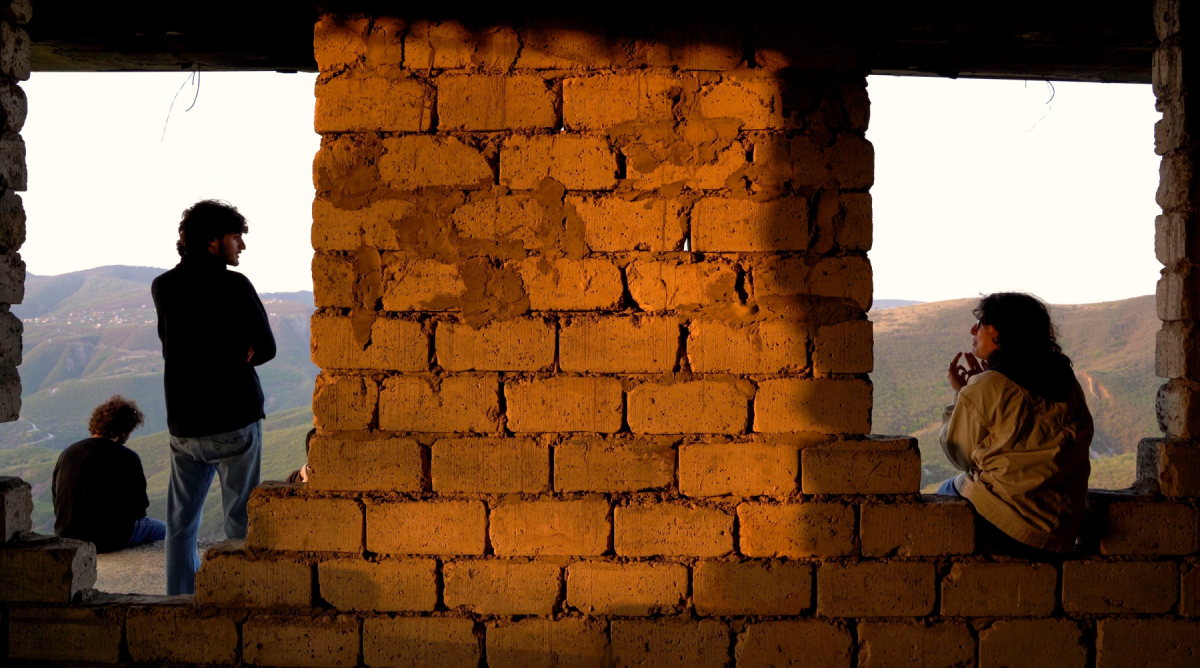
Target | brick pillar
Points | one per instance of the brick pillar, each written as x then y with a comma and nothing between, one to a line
1172,464
14,67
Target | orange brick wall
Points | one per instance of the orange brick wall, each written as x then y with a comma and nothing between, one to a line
595,392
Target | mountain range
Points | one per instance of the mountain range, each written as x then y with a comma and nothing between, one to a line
91,334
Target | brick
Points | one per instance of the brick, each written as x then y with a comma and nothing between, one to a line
1176,237
876,589
387,585
579,163
738,469
1189,598
16,508
619,345
852,162
550,527
822,405
229,577
692,45
379,464
11,330
457,404
672,530
13,173
793,644
1177,407
450,45
1032,642
338,42
795,162
999,589
723,225
817,45
427,527
670,644
1130,643
1176,292
796,529
677,286
766,588
571,285
934,527
12,282
372,104
421,285
395,345
421,642
1107,588
12,219
10,394
613,224
593,465
697,407
547,643
847,278
773,346
505,220
1172,344
501,586
503,345
846,347
300,642
77,634
1136,527
344,402
565,403
877,465
683,161
854,231
564,43
599,102
493,102
177,634
756,102
900,645
626,589
427,161
333,281
490,466
46,569
304,523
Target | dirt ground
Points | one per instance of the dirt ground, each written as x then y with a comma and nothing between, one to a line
135,570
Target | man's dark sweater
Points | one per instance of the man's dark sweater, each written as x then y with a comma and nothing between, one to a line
208,320
99,491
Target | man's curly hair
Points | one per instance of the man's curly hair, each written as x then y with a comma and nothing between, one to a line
116,418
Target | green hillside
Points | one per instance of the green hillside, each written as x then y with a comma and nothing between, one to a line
283,452
1111,344
91,334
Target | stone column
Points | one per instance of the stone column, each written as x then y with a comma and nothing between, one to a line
1172,464
14,67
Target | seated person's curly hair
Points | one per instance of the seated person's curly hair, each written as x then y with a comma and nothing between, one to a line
115,419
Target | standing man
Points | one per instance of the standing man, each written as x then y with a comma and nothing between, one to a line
214,331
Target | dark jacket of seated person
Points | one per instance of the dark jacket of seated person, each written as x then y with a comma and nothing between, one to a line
99,487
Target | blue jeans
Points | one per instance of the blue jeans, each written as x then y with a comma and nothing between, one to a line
947,488
147,530
237,457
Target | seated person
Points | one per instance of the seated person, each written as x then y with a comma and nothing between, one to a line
99,488
1020,429
301,477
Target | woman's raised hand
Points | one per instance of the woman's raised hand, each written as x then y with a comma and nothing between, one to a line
959,375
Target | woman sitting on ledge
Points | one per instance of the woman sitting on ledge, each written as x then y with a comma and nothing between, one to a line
1020,429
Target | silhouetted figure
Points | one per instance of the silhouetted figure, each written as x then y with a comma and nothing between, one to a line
1020,429
99,488
214,331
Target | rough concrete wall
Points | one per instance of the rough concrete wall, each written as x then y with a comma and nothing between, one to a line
594,391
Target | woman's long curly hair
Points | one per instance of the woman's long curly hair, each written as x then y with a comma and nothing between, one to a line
1022,323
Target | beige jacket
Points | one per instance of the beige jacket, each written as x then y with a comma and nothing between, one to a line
1026,458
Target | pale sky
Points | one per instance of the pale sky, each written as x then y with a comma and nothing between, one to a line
979,185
